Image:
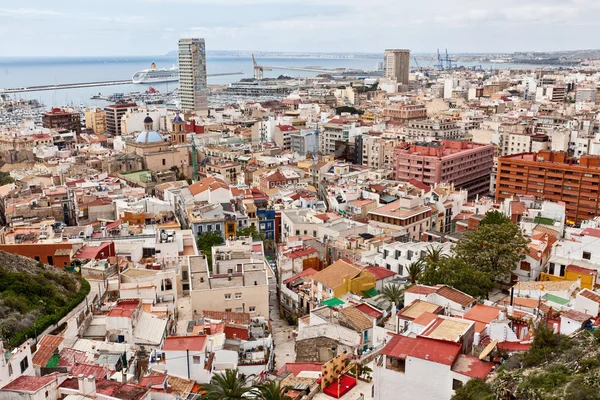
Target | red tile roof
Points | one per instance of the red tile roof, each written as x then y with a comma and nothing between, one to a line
421,289
287,128
297,367
380,272
69,357
110,388
369,310
211,183
482,313
98,252
581,270
588,294
87,369
45,349
425,318
183,343
472,367
301,253
438,351
124,308
155,379
576,316
236,332
306,272
233,317
29,384
418,184
517,208
455,295
591,232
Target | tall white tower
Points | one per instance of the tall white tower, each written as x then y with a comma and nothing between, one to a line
193,90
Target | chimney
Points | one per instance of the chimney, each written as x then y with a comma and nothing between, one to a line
89,384
80,384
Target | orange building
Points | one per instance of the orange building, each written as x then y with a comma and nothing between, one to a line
552,176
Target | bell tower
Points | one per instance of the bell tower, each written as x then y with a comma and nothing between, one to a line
178,133
148,122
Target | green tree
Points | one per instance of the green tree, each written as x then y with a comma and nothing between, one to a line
392,294
229,385
494,249
494,217
250,231
271,390
475,389
460,275
415,270
5,178
433,255
206,241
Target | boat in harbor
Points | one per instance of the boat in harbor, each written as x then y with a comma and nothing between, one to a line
155,75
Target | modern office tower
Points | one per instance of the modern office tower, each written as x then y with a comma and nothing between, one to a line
193,90
397,65
114,113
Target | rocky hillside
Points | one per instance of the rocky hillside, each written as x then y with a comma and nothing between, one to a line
34,296
556,367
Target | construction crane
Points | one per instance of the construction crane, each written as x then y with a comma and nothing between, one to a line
449,61
440,61
258,70
417,64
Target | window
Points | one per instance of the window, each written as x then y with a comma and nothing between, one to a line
228,296
456,384
196,359
239,309
164,161
251,309
228,310
525,266
10,370
209,228
587,255
238,296
218,228
24,364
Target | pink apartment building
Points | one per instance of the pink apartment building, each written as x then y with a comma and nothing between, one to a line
468,165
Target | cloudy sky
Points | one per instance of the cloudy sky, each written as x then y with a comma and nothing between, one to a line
152,27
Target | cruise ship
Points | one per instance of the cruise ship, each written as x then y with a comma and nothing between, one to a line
153,75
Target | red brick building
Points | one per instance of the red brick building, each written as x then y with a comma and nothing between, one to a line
58,118
468,165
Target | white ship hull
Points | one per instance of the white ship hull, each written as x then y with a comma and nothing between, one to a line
156,75
157,79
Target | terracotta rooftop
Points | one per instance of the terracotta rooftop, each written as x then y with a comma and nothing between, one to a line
425,318
432,350
380,272
306,272
455,295
472,367
112,389
45,349
183,343
333,275
421,289
369,310
418,307
588,294
354,319
483,313
30,384
88,369
232,317
297,367
576,316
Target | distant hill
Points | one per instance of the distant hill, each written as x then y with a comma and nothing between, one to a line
34,296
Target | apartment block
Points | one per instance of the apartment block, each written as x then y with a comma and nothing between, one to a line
424,129
59,118
465,164
553,176
114,113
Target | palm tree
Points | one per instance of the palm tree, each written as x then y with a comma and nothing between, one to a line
392,294
433,255
271,390
415,269
230,385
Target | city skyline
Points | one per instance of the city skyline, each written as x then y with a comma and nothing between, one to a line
145,27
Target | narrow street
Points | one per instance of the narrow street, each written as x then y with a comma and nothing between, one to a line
285,350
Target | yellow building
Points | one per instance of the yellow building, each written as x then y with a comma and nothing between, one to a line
340,278
573,273
95,119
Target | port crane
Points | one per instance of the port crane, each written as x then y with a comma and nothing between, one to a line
259,69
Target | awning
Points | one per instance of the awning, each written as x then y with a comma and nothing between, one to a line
333,302
371,292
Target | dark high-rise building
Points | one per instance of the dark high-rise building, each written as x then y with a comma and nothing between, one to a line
58,118
114,113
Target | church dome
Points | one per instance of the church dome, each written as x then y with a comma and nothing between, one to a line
148,120
177,118
148,137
